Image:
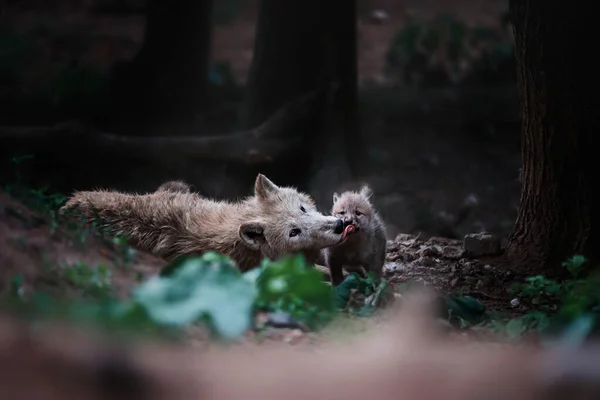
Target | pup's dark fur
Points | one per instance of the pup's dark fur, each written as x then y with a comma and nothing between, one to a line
366,247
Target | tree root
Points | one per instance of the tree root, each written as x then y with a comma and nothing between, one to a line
270,141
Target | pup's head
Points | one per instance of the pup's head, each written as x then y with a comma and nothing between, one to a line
288,222
354,208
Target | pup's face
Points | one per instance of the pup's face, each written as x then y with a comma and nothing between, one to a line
354,208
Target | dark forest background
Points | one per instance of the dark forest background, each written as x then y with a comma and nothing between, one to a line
434,128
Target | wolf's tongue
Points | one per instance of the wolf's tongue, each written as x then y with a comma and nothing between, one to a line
347,231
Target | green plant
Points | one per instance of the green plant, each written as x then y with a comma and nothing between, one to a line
445,51
208,288
559,304
292,286
93,280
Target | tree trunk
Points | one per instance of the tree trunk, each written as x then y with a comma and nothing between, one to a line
168,77
301,46
558,86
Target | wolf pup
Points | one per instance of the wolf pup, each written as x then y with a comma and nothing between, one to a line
366,246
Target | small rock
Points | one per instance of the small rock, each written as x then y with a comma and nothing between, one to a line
281,319
379,16
293,336
471,200
453,253
394,266
481,244
515,302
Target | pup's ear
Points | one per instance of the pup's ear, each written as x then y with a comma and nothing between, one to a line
336,196
366,192
263,187
252,234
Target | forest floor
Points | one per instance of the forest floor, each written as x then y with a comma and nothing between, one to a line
47,255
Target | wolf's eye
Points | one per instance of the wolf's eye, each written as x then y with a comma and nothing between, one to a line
358,213
342,212
294,232
302,209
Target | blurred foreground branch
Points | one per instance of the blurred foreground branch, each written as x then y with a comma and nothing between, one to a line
406,360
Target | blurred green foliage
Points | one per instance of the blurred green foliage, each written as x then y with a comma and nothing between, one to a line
445,51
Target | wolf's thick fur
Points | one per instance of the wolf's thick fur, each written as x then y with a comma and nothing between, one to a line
175,187
366,247
274,222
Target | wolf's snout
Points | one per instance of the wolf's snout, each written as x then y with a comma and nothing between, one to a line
348,221
339,226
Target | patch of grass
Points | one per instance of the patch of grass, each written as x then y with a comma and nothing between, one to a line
570,306
292,286
208,289
94,281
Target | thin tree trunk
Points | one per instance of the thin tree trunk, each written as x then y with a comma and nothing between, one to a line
558,212
301,46
168,77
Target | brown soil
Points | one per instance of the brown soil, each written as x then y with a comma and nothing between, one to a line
30,247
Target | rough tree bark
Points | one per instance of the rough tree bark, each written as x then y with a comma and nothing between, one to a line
168,77
558,212
301,46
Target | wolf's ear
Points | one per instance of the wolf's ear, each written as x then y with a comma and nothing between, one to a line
366,192
252,234
336,196
263,187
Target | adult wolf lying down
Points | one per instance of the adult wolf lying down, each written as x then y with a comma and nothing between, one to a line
275,221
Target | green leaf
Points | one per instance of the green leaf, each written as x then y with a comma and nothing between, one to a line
578,330
574,265
343,290
208,287
515,328
292,285
464,308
